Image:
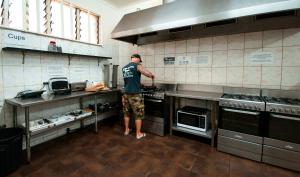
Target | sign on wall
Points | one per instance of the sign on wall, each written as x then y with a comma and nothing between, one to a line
262,58
15,38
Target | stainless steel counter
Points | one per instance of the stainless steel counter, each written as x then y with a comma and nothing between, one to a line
26,103
52,98
211,96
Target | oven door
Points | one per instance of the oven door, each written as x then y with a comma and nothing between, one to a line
284,127
154,107
243,121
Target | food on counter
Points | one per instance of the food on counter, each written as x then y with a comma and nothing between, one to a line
96,87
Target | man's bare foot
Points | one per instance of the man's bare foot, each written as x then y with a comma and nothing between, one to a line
127,132
140,135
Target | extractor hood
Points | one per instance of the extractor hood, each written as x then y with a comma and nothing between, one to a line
184,19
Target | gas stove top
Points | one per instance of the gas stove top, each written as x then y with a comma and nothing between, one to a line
242,101
153,93
283,105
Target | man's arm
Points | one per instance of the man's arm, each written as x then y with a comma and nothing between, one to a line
145,72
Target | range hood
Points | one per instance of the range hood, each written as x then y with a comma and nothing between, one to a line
184,19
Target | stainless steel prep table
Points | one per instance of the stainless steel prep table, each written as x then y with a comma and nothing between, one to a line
208,96
26,103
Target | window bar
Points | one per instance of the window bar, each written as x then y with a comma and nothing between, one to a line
38,23
26,16
48,17
100,36
77,25
62,18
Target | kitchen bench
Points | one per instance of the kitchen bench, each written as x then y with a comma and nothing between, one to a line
212,97
26,103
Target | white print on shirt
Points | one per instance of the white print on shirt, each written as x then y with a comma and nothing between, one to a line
127,72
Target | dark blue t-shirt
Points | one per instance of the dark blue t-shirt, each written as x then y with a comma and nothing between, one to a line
132,78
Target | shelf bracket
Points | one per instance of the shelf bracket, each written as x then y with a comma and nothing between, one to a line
23,57
98,62
69,57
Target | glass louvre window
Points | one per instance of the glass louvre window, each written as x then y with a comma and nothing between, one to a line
1,11
84,26
42,14
32,16
94,28
56,17
15,14
69,21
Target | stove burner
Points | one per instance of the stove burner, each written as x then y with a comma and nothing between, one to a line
242,97
289,101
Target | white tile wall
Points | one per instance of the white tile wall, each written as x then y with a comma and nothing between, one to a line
219,76
291,56
272,38
236,41
291,37
253,40
220,43
226,60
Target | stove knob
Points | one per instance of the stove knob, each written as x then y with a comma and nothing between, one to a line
293,111
286,110
280,110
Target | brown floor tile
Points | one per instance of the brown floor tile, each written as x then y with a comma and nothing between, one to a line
109,153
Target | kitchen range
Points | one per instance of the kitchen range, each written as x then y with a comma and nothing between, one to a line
261,128
157,108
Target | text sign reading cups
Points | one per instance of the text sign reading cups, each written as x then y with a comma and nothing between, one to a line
14,38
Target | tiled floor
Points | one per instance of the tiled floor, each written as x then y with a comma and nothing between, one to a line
110,154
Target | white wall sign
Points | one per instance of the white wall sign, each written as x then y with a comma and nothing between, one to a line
262,58
14,37
200,59
56,71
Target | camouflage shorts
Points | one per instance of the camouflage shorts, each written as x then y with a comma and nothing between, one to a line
133,103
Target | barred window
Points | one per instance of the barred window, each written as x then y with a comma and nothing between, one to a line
84,26
1,11
15,14
94,29
42,16
69,21
32,16
56,18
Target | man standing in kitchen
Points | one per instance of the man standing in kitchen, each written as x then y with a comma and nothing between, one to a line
133,103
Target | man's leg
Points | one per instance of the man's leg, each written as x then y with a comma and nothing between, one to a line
138,125
126,123
126,109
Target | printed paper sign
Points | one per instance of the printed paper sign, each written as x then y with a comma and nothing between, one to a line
200,59
56,71
262,58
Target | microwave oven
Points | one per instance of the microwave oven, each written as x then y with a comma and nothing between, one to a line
193,118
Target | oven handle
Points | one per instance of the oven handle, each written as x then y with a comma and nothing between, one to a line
240,111
153,100
285,117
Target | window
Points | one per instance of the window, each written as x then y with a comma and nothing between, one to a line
32,16
94,29
15,14
42,16
56,16
1,11
84,26
69,21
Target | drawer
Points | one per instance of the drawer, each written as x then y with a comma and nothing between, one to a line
282,154
239,144
153,127
281,163
282,144
239,152
240,136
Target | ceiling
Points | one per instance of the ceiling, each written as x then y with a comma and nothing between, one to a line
123,3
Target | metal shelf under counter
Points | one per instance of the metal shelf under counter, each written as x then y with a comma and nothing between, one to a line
207,134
